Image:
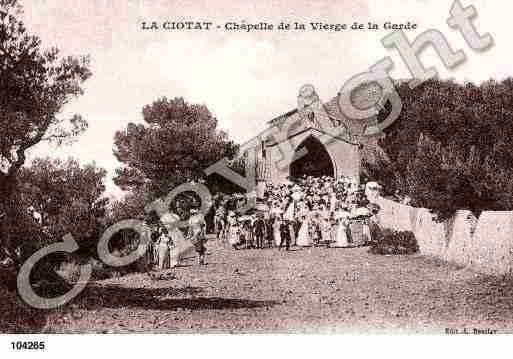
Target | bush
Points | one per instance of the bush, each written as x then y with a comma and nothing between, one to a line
394,242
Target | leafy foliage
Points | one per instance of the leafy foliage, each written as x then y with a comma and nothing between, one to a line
67,197
174,145
35,84
448,149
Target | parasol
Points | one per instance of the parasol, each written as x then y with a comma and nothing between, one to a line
361,212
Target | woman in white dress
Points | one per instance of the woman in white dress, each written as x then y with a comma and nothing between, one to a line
276,229
303,238
325,225
163,248
233,230
177,240
342,217
276,221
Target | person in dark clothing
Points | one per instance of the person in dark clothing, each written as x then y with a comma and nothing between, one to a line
259,228
269,231
296,225
285,234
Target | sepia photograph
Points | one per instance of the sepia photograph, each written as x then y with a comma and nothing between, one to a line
242,167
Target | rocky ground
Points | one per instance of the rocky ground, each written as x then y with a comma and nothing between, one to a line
305,290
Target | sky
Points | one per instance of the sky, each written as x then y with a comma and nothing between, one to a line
245,79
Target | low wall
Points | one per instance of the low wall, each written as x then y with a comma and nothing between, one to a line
484,244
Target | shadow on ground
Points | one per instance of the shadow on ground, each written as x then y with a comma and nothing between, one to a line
113,296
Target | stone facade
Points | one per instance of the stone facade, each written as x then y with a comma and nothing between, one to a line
315,132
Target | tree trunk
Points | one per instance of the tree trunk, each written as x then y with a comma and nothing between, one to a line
10,206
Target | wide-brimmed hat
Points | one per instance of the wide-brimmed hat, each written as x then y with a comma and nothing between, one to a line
169,218
373,185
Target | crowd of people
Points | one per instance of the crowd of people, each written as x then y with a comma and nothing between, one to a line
308,211
168,240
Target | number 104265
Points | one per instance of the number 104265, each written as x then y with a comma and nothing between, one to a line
27,345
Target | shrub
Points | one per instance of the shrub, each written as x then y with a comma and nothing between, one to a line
394,242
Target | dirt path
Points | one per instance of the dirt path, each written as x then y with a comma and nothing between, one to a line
306,290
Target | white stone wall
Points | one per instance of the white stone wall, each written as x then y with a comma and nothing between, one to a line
484,244
491,243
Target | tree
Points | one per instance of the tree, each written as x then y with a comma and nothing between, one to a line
35,84
67,197
175,144
131,206
448,148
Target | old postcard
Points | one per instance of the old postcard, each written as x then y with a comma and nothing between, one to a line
244,167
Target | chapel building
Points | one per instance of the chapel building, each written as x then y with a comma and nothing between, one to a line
314,139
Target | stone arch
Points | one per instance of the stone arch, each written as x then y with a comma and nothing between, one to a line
317,161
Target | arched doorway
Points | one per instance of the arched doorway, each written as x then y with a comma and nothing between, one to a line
316,162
